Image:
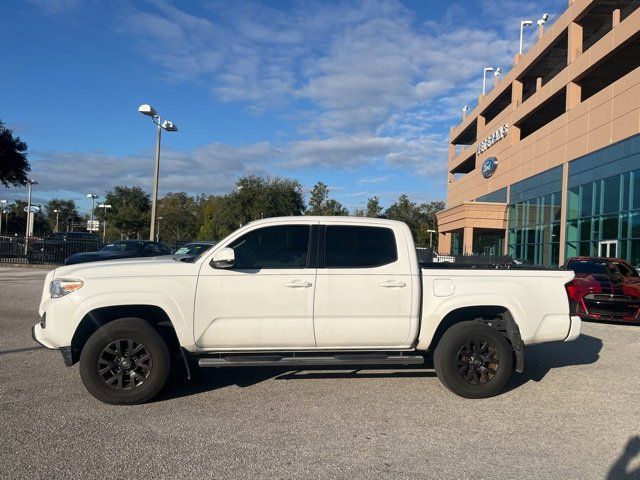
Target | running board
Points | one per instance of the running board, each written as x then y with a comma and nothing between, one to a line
318,361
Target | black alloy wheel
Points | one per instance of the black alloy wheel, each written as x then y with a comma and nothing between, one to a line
473,360
477,362
125,364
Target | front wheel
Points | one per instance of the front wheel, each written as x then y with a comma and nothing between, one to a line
473,360
125,362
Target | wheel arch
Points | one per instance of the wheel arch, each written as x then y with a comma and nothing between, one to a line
98,317
495,316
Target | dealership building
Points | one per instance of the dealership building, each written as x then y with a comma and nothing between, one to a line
547,165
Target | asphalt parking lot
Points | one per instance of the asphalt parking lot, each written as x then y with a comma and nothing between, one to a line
573,414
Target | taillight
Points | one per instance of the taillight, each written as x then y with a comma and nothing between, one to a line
575,303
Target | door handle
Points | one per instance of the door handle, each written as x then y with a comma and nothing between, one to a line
393,284
298,284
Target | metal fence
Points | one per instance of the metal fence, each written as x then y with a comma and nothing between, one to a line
42,251
50,251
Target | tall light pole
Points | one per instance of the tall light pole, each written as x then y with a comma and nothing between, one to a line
431,232
484,79
158,229
93,197
523,23
31,183
149,111
104,220
2,205
57,212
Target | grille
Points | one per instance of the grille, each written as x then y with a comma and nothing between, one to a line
611,305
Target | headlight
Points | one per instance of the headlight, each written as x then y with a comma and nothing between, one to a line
64,286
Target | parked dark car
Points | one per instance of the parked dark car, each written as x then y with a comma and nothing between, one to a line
121,249
605,289
194,249
58,246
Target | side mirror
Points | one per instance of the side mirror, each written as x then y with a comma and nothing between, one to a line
224,258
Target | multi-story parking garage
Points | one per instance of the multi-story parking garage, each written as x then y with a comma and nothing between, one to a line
547,166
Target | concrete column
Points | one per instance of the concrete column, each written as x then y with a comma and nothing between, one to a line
452,151
538,83
506,230
563,211
444,243
467,240
517,59
481,125
516,93
574,42
574,95
616,18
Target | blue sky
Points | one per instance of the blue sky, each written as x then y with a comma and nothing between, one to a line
357,94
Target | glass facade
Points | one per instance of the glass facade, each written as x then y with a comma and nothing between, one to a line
605,212
499,196
488,242
456,242
534,229
534,218
603,203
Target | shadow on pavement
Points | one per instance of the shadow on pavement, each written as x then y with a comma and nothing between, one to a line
209,379
539,359
18,350
619,470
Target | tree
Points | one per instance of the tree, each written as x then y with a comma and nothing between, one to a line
374,209
320,204
254,198
179,216
16,220
14,165
67,213
129,212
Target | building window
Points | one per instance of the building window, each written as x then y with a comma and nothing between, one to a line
605,210
534,229
456,242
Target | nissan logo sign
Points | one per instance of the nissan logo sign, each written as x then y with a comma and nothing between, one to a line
489,166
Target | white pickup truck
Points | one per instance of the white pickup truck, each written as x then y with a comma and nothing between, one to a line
299,291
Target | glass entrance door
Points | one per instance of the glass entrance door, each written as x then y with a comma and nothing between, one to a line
608,248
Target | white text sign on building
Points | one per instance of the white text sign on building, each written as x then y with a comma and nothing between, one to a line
499,134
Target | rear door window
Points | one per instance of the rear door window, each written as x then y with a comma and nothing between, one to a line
359,247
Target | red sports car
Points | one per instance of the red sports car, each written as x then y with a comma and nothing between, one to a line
604,289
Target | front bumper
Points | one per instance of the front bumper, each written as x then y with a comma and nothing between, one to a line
574,328
36,334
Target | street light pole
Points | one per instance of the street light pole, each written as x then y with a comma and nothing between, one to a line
30,182
57,212
156,173
149,111
158,229
484,79
93,197
523,23
104,220
431,232
2,204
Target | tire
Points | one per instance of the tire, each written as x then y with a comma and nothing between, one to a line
125,362
473,360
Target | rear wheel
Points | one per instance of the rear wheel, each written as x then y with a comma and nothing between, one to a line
473,360
125,362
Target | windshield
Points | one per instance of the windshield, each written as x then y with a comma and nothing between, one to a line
591,267
195,249
122,247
